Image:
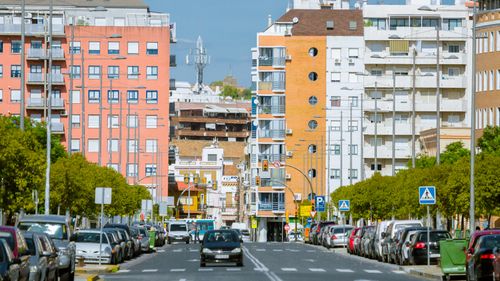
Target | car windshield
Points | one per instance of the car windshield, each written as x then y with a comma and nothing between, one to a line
7,236
221,236
341,230
177,227
54,230
435,236
490,242
89,237
402,226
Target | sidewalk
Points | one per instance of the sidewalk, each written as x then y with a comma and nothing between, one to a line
90,272
432,272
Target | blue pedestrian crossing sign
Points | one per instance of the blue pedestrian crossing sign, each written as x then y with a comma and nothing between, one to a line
427,195
344,205
320,203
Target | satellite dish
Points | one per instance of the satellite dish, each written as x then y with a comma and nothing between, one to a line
295,20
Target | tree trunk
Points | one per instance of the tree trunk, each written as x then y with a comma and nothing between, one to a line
462,223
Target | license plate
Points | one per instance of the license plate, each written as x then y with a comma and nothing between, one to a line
221,257
435,255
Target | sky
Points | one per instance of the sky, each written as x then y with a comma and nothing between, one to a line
228,28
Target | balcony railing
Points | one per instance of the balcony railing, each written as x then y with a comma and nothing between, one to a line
57,78
272,61
272,86
57,128
30,29
270,157
272,206
273,134
39,103
272,109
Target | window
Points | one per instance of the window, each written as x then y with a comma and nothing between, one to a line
399,22
450,24
379,23
114,121
15,96
15,71
212,157
113,48
491,81
100,21
94,48
75,71
353,25
401,72
151,122
313,76
132,96
132,121
353,173
151,146
151,96
498,78
313,100
335,76
353,101
1,70
313,52
15,47
93,145
453,48
353,125
1,95
353,78
132,146
353,53
335,101
75,121
75,95
379,167
113,72
133,48
498,41
330,25
150,170
312,173
152,72
335,174
336,125
131,170
453,71
312,148
93,122
94,72
112,145
119,21
115,167
94,96
353,149
75,47
336,149
1,46
75,145
113,96
133,72
312,124
152,48
376,72
336,55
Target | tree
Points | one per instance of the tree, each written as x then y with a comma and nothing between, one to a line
490,141
454,152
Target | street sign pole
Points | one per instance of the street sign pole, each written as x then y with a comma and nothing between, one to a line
427,196
102,223
428,237
102,196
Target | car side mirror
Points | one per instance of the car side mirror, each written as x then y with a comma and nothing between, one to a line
382,234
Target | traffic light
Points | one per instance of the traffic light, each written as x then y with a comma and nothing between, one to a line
265,165
257,181
186,178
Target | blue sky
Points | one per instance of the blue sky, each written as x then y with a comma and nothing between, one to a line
228,28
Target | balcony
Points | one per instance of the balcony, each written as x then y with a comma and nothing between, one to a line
57,128
272,109
39,103
202,119
272,134
38,79
219,134
39,54
447,82
276,62
386,105
385,151
385,129
447,58
372,33
278,207
269,157
229,210
276,86
30,29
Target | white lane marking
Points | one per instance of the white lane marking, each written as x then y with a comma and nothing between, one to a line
123,271
193,250
310,260
399,271
160,251
150,270
317,269
260,266
311,251
260,250
177,270
233,269
293,250
372,271
205,269
193,260
288,269
344,270
177,250
183,279
277,250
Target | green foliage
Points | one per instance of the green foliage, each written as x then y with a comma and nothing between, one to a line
490,141
454,152
233,92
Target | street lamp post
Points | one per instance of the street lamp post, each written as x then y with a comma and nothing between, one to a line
350,142
393,122
49,114
473,122
23,63
376,128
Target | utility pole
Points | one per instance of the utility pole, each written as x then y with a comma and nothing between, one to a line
393,122
350,142
473,123
328,145
341,149
376,127
83,102
23,63
49,115
72,61
99,155
362,138
111,98
438,96
413,117
120,133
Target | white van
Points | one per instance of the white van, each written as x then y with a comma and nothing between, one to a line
178,231
381,227
242,227
391,230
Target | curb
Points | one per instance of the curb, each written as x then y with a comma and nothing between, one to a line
93,271
418,273
94,277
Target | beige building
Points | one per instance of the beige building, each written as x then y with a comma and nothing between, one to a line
448,135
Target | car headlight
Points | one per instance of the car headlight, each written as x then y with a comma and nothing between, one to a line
236,250
107,251
33,268
207,251
64,251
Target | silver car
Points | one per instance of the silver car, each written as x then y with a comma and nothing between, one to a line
338,235
87,246
144,235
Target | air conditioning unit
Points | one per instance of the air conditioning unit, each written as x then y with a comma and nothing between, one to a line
288,57
297,197
288,176
289,131
289,153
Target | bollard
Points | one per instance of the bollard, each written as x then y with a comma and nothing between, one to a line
81,261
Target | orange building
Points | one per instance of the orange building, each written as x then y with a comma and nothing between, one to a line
289,116
110,81
488,65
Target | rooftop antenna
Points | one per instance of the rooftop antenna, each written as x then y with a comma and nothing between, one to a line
200,59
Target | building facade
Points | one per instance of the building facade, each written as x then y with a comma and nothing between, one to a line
487,92
109,85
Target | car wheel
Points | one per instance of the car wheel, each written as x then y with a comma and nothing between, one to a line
66,275
187,242
239,264
203,264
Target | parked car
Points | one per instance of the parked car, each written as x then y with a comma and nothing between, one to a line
496,265
220,246
59,230
350,245
115,243
9,265
325,236
419,244
87,246
480,264
291,237
403,245
120,241
381,228
144,239
43,259
322,231
474,238
390,232
128,235
357,240
136,236
367,242
178,231
338,235
313,234
246,235
19,248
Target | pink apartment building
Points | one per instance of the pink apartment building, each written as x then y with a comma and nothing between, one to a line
110,83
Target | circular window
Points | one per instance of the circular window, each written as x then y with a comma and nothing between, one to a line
313,52
312,148
313,76
313,100
313,124
312,173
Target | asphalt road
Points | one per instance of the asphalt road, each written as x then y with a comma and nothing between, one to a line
262,261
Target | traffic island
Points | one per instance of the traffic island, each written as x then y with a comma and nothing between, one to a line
432,272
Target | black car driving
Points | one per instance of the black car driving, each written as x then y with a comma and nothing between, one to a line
221,246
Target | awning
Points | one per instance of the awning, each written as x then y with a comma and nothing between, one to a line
214,109
399,46
183,186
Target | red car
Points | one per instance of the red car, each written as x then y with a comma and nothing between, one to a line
472,242
19,248
350,248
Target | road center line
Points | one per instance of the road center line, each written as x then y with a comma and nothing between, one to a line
317,270
205,269
289,269
261,267
150,270
372,271
177,270
344,270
